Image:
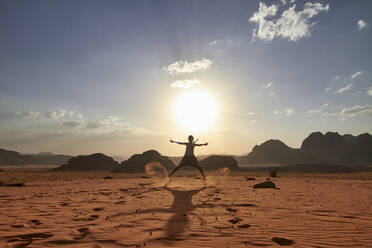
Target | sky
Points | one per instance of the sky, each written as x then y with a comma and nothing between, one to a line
79,77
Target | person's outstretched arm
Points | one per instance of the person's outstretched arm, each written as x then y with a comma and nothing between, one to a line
205,144
177,142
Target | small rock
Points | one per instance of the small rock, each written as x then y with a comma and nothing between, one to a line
108,177
15,185
265,185
98,209
17,225
250,178
282,241
244,226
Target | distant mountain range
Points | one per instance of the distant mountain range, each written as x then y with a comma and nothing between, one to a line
329,148
8,157
317,148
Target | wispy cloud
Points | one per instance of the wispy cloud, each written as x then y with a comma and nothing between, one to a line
356,111
356,74
290,25
253,121
74,124
181,67
328,89
186,83
318,110
287,1
369,91
272,93
285,112
213,43
27,114
268,85
55,114
346,88
362,24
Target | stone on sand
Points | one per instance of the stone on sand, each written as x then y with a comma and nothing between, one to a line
265,185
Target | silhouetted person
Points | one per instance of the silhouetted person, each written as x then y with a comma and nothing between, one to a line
189,158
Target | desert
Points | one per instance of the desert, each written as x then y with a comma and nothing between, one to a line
81,209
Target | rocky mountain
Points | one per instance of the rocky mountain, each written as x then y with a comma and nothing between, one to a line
50,158
215,162
93,162
137,162
329,148
335,148
276,152
8,157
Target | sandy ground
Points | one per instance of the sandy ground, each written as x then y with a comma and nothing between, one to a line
84,210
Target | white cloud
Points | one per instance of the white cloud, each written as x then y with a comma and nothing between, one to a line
27,114
73,113
328,89
318,110
93,124
113,121
290,25
74,124
346,88
288,111
272,93
180,67
251,113
369,91
362,24
253,121
55,114
356,111
213,43
186,83
287,1
267,85
356,74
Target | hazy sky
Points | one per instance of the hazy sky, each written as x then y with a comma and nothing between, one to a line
79,77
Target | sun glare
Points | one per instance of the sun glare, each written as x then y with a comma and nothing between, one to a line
195,111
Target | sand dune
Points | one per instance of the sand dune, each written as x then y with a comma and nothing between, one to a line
85,210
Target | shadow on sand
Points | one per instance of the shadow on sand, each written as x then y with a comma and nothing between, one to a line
181,208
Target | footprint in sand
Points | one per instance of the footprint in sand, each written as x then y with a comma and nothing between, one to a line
24,240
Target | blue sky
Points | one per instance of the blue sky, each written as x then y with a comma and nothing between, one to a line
80,77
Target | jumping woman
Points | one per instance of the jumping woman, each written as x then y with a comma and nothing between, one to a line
189,158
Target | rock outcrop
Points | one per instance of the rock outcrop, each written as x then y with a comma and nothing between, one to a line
276,152
335,148
93,162
137,162
216,162
317,148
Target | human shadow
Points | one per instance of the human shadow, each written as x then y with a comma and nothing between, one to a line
181,208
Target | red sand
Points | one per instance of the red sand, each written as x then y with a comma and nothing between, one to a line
84,210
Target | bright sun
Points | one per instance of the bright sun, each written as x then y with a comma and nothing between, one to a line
195,111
